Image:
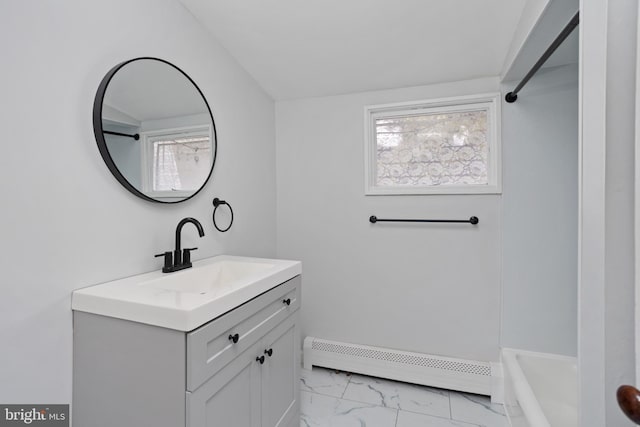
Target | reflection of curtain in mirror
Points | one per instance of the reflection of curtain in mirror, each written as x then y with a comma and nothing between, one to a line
181,164
165,168
193,159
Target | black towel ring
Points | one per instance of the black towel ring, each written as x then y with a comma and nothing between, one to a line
216,203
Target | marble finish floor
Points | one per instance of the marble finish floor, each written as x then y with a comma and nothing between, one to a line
338,399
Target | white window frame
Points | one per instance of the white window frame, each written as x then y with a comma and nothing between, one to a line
147,156
488,102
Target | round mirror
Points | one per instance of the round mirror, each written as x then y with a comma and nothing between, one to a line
155,130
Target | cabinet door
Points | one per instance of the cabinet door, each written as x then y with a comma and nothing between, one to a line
280,373
231,397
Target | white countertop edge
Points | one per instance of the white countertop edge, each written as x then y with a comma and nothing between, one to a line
92,299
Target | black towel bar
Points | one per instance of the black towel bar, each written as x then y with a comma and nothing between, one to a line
473,220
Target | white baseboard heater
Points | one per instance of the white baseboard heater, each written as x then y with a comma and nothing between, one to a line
436,371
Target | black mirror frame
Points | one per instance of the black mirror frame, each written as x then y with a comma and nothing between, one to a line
102,144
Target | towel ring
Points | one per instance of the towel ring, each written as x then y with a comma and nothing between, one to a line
217,203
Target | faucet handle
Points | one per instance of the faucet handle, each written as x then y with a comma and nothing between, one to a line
168,259
186,255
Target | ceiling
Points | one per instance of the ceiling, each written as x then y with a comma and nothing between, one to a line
298,49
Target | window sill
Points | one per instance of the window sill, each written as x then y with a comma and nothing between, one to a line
425,191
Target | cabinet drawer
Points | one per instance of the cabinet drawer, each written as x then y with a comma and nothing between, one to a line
209,348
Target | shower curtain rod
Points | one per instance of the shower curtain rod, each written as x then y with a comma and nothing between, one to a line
513,95
134,136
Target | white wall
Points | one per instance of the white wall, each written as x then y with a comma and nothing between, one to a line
65,221
606,324
432,288
540,209
619,299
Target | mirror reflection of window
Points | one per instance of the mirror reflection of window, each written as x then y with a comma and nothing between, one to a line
177,162
180,164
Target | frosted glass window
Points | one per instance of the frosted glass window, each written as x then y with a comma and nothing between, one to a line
433,149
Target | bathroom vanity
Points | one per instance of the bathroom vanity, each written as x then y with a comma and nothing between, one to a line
145,353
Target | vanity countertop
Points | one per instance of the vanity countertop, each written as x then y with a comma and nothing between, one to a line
186,299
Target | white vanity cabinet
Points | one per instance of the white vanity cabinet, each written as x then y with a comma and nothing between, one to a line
238,370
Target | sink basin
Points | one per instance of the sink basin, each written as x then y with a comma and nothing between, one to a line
189,298
218,277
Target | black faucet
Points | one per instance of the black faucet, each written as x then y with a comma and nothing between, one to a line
180,258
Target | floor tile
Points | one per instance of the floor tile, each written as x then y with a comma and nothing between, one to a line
412,419
318,410
477,409
323,381
398,395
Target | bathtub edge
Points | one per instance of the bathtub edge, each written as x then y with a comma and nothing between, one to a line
526,399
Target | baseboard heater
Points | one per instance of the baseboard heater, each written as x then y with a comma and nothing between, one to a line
436,371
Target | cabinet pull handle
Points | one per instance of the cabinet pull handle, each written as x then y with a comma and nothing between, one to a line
269,352
234,338
260,359
287,301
